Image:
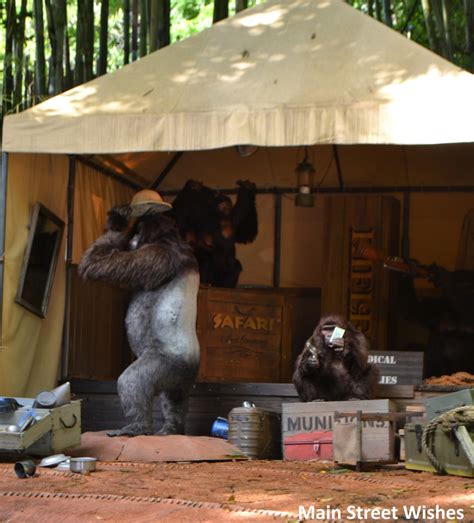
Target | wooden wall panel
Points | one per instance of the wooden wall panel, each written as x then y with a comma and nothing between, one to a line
98,346
345,214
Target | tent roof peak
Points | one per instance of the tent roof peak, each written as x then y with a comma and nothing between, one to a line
290,72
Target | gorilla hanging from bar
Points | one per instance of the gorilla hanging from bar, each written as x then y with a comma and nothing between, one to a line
212,225
149,258
333,365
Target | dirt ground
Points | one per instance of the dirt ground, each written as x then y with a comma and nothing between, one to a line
227,491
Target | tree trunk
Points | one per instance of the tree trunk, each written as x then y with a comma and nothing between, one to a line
221,10
425,4
59,14
378,10
164,10
88,40
104,27
154,9
370,7
134,29
469,12
19,36
387,12
442,31
240,5
28,99
143,27
52,87
79,60
40,65
69,76
8,85
126,32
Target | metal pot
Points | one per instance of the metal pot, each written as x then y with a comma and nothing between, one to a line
83,465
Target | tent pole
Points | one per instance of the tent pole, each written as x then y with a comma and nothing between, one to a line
164,173
354,190
3,220
69,247
406,226
277,242
108,172
338,168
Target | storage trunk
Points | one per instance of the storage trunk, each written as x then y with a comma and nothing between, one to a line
444,446
309,446
254,335
438,405
377,437
256,432
56,430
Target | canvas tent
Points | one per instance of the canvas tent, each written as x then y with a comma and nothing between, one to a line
281,75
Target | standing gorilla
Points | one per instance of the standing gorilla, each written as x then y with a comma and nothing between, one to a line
331,369
150,258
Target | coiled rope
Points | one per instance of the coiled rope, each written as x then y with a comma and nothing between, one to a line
452,421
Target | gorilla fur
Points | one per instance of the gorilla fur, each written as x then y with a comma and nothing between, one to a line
159,267
323,373
210,222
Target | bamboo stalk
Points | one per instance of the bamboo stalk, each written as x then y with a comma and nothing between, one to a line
143,28
104,30
40,63
126,32
164,9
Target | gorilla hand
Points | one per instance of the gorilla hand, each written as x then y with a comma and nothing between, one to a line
118,217
247,184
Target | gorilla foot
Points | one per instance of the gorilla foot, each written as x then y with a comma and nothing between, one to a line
134,429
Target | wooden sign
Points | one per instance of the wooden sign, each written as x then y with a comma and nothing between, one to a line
361,284
398,367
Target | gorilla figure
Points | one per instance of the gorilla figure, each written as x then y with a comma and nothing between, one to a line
335,369
150,258
212,225
448,317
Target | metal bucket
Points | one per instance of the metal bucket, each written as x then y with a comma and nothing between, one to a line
256,432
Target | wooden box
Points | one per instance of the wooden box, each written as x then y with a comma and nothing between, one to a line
377,437
254,335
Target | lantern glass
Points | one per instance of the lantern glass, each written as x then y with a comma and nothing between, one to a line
305,180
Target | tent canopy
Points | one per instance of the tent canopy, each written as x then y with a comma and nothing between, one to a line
285,73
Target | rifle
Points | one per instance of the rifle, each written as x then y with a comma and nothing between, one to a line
394,263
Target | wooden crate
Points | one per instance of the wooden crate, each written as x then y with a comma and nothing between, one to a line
254,335
377,437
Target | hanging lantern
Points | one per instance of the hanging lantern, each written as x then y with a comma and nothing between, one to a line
305,181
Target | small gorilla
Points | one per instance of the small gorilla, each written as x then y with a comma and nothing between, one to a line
210,222
334,369
149,258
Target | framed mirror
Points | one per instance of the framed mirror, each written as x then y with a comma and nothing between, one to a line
40,260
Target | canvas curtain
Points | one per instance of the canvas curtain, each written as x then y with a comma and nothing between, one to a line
31,346
94,195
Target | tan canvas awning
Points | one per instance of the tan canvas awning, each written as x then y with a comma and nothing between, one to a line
284,73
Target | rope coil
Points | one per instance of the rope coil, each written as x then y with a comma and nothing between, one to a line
449,422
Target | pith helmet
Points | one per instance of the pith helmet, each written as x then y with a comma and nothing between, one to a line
148,200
